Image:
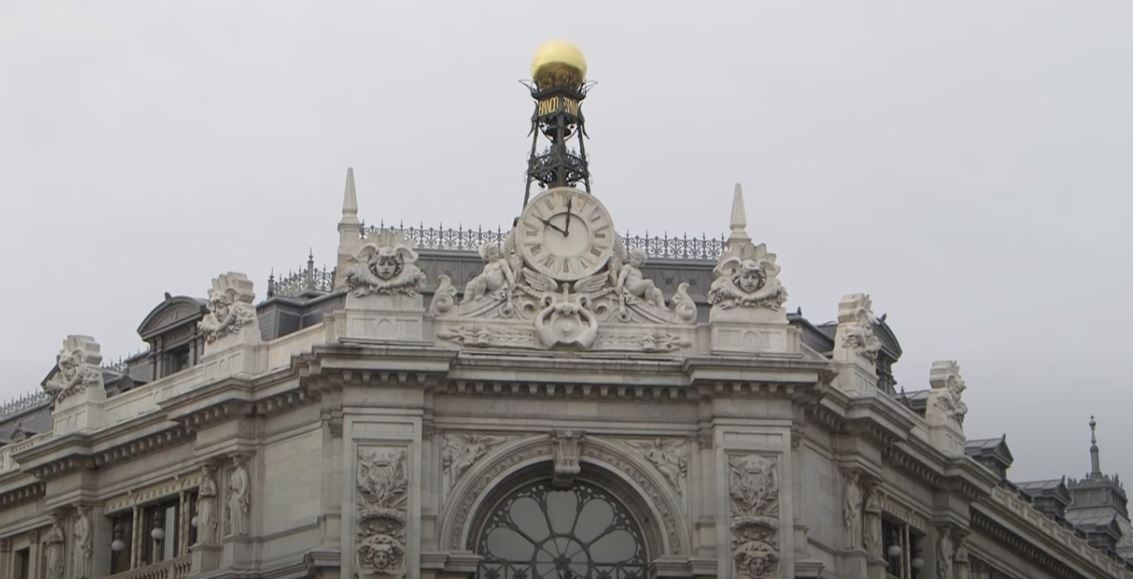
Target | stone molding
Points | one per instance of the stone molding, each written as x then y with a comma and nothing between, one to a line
461,505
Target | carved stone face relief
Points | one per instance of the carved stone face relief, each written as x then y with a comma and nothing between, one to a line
381,512
753,487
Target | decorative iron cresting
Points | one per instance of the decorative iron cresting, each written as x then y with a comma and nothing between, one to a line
24,402
308,279
683,247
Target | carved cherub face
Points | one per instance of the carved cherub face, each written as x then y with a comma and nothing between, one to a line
68,362
749,277
637,258
386,263
381,557
219,300
491,253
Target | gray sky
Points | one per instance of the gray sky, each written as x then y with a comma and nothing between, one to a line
967,163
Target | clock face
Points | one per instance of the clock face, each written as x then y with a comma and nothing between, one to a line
565,233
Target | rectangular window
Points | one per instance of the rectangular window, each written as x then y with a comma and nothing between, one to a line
160,525
121,543
23,563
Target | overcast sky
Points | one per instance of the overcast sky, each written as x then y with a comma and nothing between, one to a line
966,163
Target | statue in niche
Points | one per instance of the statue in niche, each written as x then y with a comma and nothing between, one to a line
944,554
385,266
53,546
230,306
871,528
497,279
632,283
78,364
83,549
206,507
239,502
852,511
748,283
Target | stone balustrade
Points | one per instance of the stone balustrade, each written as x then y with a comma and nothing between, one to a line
170,569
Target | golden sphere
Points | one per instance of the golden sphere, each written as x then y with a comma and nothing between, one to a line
558,62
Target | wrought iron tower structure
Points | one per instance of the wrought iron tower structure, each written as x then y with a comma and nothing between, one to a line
558,86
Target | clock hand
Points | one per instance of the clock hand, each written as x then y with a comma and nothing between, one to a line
548,223
570,201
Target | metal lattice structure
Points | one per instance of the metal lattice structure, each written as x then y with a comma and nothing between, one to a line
684,247
307,280
24,402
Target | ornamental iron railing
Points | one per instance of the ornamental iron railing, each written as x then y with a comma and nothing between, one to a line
683,247
24,402
307,280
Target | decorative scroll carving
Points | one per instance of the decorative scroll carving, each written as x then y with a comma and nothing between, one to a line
239,498
670,457
483,336
444,298
385,265
753,487
750,281
206,507
463,450
53,547
566,451
852,510
83,547
78,364
945,552
947,387
855,332
383,499
230,306
649,342
871,522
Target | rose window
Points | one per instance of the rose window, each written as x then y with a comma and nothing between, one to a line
540,532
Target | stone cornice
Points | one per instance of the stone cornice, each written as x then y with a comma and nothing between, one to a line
1010,519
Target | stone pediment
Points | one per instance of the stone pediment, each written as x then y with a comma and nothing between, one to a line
174,311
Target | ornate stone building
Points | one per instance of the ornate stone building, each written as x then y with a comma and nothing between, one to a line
554,400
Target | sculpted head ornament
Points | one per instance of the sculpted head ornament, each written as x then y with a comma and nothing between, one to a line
749,279
385,265
230,306
78,364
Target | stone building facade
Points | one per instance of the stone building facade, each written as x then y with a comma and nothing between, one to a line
550,401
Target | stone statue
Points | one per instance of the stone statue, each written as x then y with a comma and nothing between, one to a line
632,283
947,387
83,549
386,265
206,507
852,511
945,552
383,497
238,498
78,364
855,332
748,283
871,526
230,306
963,563
753,487
498,277
53,547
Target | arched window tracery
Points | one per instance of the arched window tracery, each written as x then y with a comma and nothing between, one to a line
541,532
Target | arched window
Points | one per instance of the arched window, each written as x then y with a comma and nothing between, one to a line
541,532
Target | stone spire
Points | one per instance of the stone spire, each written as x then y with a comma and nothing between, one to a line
350,197
1095,459
349,229
738,223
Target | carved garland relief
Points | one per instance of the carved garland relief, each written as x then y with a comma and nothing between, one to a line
382,512
753,489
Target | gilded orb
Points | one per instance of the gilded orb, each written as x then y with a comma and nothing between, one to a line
558,63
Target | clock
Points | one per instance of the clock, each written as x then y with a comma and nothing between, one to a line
565,233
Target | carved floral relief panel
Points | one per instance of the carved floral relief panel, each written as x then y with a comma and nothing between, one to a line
753,499
381,512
